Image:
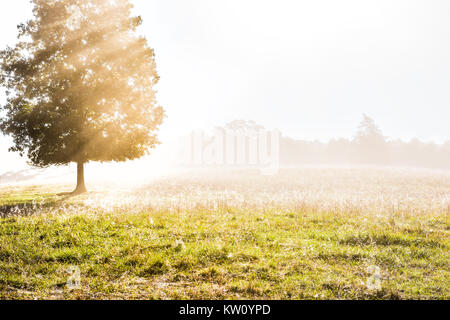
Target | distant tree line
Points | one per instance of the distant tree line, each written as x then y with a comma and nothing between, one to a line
368,147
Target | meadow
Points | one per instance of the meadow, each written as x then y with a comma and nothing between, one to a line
311,233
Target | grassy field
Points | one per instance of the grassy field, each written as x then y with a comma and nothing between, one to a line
303,234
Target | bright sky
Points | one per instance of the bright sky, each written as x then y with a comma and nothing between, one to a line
308,68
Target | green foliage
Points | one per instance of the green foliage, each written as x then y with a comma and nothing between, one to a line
80,84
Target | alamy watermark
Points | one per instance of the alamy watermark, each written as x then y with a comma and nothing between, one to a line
74,280
374,281
232,148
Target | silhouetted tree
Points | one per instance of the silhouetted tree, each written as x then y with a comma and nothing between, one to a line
370,142
368,131
80,85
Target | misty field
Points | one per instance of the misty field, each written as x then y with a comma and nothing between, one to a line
303,234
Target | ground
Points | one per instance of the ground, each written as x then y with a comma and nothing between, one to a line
302,234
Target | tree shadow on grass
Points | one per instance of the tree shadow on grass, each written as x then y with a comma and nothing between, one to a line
29,207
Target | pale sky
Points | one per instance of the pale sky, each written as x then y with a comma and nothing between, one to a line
308,68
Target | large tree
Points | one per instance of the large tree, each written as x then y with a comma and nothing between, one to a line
80,85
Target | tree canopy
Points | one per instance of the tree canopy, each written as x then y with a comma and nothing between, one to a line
80,84
369,132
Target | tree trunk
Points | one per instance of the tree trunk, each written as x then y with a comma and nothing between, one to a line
81,187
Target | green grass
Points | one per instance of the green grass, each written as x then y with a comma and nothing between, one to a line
215,250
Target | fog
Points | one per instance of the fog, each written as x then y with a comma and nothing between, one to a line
308,69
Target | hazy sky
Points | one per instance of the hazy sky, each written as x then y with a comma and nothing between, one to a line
308,68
